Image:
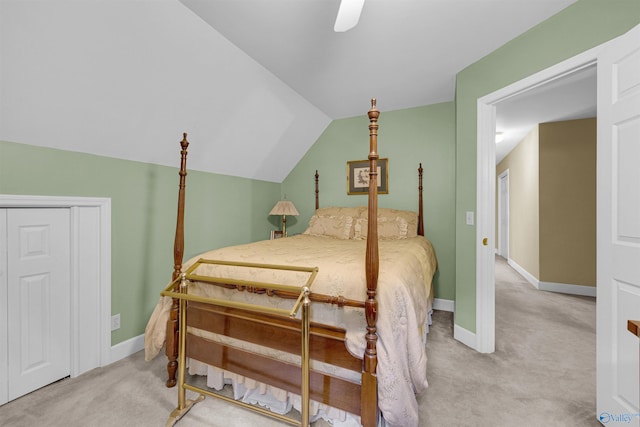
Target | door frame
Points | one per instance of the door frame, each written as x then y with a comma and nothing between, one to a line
503,231
486,193
90,222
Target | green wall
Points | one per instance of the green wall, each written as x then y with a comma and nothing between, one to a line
406,137
220,211
581,26
232,210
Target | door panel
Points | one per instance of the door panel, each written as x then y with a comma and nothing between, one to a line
618,229
38,255
627,303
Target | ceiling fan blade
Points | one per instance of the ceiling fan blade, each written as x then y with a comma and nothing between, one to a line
348,15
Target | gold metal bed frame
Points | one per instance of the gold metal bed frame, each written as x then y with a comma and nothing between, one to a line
182,294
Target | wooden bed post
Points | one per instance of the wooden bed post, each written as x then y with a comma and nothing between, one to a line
370,360
420,213
178,252
317,191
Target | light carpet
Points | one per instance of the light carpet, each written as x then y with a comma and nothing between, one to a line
542,374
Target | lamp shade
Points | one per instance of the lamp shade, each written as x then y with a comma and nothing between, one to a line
284,207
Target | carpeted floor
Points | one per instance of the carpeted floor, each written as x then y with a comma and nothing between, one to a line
542,374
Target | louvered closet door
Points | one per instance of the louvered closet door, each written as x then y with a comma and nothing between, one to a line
38,289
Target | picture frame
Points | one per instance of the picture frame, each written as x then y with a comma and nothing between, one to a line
358,176
276,234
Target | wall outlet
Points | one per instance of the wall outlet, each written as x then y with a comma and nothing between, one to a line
115,322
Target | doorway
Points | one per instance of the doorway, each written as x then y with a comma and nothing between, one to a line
486,186
38,276
90,263
618,290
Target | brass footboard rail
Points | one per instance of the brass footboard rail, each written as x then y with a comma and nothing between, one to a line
179,290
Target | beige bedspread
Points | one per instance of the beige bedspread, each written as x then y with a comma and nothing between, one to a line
404,299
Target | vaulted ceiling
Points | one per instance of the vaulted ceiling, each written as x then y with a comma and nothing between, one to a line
253,82
405,53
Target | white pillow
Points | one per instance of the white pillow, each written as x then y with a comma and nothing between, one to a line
339,227
410,217
388,228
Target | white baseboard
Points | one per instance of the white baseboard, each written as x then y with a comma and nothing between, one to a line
444,304
127,348
524,273
563,288
466,337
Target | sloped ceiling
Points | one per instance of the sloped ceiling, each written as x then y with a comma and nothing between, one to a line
405,53
125,79
253,82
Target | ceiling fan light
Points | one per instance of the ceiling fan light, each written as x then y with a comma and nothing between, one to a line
348,15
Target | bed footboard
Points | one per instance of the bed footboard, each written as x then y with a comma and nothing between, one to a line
280,333
171,348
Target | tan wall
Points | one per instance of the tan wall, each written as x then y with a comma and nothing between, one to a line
522,163
552,202
567,161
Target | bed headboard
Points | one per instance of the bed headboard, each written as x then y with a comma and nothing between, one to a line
420,213
317,190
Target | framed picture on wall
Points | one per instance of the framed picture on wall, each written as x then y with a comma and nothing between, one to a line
358,176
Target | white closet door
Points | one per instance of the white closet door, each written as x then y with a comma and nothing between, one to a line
38,282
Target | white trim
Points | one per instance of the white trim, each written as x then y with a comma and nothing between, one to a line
524,273
561,288
91,234
485,181
4,308
444,305
566,288
503,179
466,337
485,205
127,348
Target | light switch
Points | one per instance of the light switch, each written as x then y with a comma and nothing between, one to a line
469,218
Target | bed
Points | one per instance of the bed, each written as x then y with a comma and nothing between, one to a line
331,322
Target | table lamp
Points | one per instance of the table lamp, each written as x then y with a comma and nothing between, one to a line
284,208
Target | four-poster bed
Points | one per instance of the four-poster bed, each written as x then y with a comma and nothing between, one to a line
228,313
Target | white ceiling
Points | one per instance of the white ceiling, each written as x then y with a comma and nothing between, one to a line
405,53
131,93
568,98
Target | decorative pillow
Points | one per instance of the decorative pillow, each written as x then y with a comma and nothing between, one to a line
388,228
410,217
337,211
331,226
